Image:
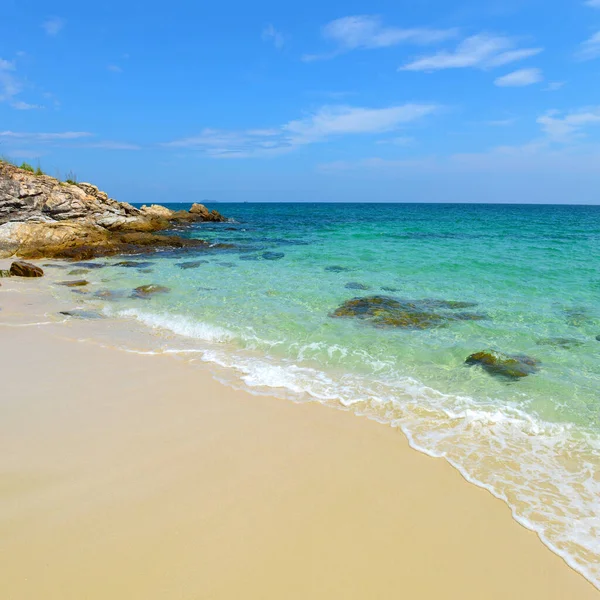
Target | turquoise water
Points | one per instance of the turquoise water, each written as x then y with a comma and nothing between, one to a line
264,309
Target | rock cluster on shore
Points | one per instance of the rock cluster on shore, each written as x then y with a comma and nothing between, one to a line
41,216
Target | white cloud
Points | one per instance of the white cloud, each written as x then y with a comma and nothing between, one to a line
593,3
482,51
368,32
590,48
44,137
20,105
6,65
110,145
271,34
321,125
554,86
520,78
53,25
502,122
568,128
115,68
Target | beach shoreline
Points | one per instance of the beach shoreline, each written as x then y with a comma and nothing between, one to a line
140,476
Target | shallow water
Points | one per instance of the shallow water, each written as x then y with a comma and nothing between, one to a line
264,309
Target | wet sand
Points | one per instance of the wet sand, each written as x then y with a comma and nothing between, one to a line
127,476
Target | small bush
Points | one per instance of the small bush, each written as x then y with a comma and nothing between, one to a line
38,170
71,178
27,167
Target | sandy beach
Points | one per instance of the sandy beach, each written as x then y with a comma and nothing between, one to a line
129,476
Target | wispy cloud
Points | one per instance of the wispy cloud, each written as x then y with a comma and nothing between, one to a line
502,122
482,51
323,124
270,34
520,78
20,105
554,86
593,3
9,85
53,25
368,32
569,127
114,68
590,49
45,137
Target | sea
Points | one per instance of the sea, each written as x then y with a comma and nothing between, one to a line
260,303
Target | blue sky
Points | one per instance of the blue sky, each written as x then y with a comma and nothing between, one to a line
406,101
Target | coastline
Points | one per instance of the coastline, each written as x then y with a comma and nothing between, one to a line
142,477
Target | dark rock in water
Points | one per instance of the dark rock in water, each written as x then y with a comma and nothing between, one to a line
386,288
20,268
467,316
576,317
598,338
146,270
73,283
78,313
109,294
508,366
560,342
337,269
249,257
90,265
447,304
273,255
353,285
5,273
146,291
134,264
79,292
206,289
54,266
382,311
78,272
191,265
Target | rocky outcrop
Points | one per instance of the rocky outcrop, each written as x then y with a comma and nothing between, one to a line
507,366
24,269
43,217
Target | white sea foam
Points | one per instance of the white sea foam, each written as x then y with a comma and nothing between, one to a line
545,471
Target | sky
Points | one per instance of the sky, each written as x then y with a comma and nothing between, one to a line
320,101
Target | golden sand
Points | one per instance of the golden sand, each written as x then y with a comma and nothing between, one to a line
130,477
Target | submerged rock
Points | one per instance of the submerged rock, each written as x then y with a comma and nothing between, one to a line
20,268
383,311
78,313
146,291
134,264
598,338
191,264
273,255
508,366
74,283
560,342
576,317
386,288
337,269
90,265
109,294
78,272
353,285
467,316
447,304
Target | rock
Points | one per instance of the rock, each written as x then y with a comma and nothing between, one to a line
273,255
5,273
508,366
448,304
79,313
576,317
78,272
132,264
109,295
191,265
560,342
90,265
467,316
385,288
200,211
337,269
383,311
21,268
43,217
598,338
73,283
353,285
146,291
